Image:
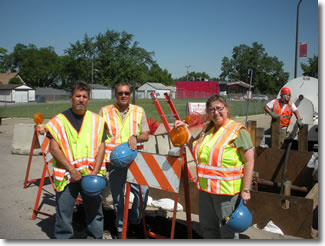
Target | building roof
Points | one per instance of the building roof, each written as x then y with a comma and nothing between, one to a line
6,77
156,86
14,86
99,87
241,83
45,91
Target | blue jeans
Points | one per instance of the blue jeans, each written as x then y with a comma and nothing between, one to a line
117,179
65,201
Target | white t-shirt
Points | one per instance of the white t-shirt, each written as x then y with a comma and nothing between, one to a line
271,104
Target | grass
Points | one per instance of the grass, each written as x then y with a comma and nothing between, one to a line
49,109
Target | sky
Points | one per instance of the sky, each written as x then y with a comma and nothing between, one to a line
185,35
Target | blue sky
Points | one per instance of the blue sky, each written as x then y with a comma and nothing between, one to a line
196,33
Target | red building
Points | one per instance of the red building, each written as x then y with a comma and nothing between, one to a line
196,89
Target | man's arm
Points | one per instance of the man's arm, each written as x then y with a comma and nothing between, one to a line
269,111
62,160
143,137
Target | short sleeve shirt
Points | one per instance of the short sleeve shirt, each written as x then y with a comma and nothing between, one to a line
271,105
243,141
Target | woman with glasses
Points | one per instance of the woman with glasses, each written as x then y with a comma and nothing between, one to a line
224,155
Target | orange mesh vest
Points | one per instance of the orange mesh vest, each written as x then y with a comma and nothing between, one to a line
285,116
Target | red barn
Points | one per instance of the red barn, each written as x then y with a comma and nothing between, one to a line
196,89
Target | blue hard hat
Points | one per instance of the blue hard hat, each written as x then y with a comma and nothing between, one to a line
93,185
241,219
122,156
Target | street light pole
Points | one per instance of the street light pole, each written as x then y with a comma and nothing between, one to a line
188,66
296,51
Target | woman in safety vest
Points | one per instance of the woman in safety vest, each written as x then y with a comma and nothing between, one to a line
224,155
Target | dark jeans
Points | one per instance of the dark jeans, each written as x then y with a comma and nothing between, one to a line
117,179
65,202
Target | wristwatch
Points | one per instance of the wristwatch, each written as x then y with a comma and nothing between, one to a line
247,191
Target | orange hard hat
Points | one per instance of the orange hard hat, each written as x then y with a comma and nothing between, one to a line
285,90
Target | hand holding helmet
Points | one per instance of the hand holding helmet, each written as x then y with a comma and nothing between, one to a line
122,155
240,220
93,185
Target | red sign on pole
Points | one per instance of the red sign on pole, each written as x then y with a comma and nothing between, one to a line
303,49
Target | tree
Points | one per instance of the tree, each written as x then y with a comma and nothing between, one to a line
38,67
195,76
3,54
269,75
311,70
15,80
156,74
113,57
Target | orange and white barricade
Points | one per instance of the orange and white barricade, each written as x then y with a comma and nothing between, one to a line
39,141
160,172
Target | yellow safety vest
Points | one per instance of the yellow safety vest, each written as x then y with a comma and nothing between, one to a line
220,169
118,130
80,149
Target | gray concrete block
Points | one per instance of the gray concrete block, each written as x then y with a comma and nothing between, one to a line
22,140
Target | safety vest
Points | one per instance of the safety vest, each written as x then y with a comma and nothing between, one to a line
220,169
118,130
80,149
285,116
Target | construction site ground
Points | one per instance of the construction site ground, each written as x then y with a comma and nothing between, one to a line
17,203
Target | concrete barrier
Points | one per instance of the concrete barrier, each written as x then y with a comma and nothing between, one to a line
22,140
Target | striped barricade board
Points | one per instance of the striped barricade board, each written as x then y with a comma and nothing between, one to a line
44,143
158,171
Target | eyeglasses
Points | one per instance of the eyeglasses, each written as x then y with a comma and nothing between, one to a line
213,110
120,93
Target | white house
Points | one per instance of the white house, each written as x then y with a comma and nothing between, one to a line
146,89
16,93
100,92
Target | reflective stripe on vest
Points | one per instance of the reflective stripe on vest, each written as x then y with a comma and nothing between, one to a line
80,149
220,169
285,115
120,131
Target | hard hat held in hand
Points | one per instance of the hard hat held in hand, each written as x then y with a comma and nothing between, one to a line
240,220
93,185
178,136
122,156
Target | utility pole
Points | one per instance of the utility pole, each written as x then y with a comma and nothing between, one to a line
187,66
251,74
296,51
92,70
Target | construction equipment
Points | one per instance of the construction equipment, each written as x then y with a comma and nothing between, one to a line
308,107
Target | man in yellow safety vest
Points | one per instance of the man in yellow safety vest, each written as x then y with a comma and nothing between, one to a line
124,122
77,145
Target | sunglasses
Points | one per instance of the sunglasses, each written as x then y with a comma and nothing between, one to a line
120,93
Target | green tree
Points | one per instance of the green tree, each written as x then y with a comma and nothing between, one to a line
269,75
311,69
156,74
111,57
38,67
15,80
195,76
3,55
